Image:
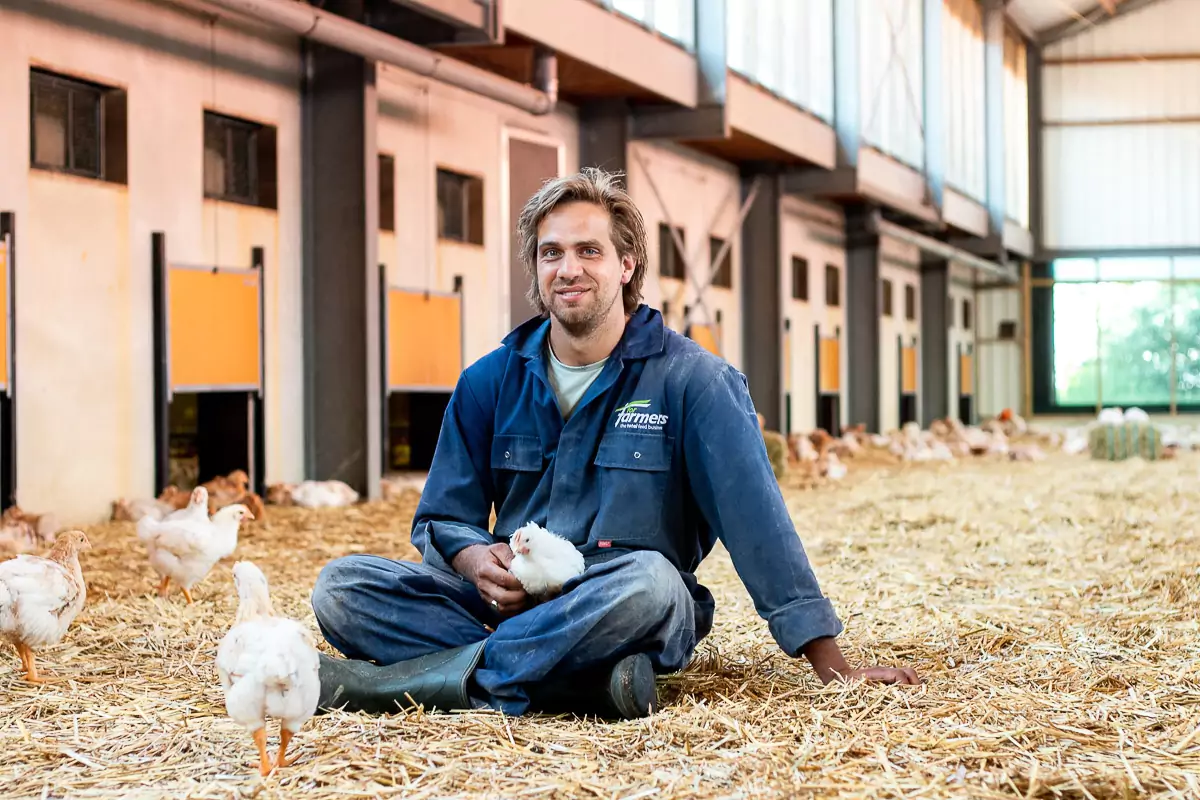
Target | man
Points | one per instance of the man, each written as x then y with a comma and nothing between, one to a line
597,422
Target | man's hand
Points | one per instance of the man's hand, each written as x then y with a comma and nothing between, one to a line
486,567
829,663
904,675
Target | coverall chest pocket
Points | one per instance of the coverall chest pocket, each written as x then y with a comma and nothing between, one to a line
635,476
516,452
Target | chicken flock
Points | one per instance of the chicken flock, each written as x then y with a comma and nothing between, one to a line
267,664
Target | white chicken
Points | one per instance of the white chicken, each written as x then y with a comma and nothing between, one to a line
268,666
40,598
1136,415
1110,416
312,494
543,561
186,545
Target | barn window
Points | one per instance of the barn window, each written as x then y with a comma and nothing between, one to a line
833,287
77,127
910,301
799,278
670,257
966,315
887,298
387,192
460,207
239,161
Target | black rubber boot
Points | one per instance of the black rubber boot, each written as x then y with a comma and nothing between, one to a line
437,681
624,691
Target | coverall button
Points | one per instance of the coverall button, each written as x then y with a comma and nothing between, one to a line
637,454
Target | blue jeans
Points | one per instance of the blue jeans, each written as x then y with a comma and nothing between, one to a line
376,609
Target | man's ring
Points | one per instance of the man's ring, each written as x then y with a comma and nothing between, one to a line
495,605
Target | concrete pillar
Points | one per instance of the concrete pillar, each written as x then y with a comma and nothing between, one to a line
342,336
762,306
862,318
935,340
604,135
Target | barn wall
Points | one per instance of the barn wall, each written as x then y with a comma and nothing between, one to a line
1142,108
891,98
427,125
815,233
963,91
83,305
695,191
999,363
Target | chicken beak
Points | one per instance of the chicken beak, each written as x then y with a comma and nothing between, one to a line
249,515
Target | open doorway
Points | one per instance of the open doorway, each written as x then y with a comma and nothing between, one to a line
966,384
829,371
8,427
908,380
414,421
208,371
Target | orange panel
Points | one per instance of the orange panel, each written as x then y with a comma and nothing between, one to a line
424,340
213,329
831,367
706,337
908,375
4,313
966,379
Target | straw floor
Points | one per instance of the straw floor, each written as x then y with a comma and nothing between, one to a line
1051,608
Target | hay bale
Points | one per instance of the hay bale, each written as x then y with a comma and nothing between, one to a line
777,451
1113,442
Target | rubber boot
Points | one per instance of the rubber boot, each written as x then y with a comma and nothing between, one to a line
437,681
625,690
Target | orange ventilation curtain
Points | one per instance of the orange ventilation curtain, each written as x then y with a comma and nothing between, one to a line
966,379
213,329
908,374
706,336
831,367
424,341
4,310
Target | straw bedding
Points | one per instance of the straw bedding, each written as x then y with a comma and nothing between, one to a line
1051,608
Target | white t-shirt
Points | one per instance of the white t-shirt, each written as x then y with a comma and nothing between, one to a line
570,383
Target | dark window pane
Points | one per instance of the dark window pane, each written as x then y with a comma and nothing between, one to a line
85,131
50,108
214,156
241,173
450,206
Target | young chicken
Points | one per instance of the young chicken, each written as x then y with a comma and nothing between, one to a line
185,548
268,667
543,561
40,597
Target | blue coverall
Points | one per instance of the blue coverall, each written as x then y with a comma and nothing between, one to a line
660,458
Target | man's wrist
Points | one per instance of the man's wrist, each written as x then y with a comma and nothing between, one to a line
826,658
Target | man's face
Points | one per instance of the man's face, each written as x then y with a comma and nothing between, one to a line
580,275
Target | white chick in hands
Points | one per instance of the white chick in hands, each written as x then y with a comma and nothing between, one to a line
543,561
268,666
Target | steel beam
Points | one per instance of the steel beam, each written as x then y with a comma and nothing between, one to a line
993,33
1091,19
762,307
1033,64
846,111
604,135
342,332
935,117
862,316
710,118
935,339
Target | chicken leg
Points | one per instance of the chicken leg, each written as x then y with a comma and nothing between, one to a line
162,585
260,739
285,736
27,661
187,594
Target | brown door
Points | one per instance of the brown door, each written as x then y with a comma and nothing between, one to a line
529,165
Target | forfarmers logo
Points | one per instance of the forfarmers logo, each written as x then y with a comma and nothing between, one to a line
634,414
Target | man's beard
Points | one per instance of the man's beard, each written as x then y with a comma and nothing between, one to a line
582,321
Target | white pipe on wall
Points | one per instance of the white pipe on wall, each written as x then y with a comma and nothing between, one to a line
949,252
344,34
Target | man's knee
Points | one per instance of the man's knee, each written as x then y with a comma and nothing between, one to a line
649,583
329,594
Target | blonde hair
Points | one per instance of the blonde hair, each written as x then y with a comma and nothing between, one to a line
626,228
